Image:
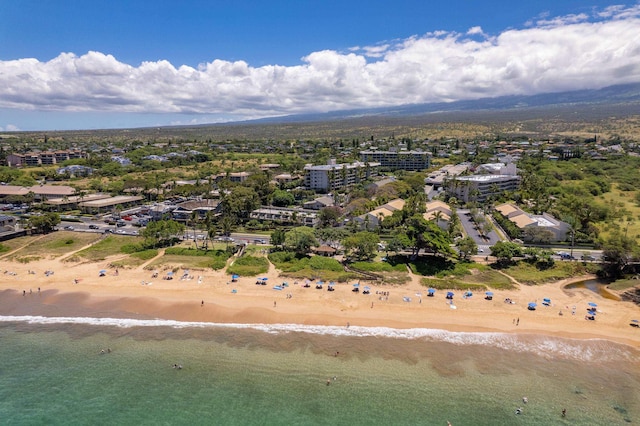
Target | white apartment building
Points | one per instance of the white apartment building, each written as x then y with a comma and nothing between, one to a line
331,176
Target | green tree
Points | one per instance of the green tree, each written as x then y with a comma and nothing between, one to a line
505,251
240,202
362,245
278,237
282,198
300,240
618,251
44,223
467,247
162,232
328,216
426,235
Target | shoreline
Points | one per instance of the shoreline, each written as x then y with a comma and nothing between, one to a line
75,290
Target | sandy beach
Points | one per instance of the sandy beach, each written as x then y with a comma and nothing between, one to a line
210,296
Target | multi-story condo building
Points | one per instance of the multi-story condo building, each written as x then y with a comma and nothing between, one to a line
331,176
44,157
481,187
398,160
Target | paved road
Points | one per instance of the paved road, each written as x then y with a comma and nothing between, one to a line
469,228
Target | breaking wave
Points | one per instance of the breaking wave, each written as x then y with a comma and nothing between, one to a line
550,347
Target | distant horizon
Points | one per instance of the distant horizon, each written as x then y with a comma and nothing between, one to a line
68,66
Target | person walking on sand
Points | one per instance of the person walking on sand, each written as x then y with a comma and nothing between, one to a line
202,303
274,303
518,321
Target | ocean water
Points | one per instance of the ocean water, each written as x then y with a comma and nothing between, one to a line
52,373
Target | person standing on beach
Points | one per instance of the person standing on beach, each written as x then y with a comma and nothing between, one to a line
274,303
202,303
518,321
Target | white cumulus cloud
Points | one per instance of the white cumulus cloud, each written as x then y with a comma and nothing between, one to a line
550,54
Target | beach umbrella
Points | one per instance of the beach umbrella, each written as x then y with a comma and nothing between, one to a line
169,273
489,293
591,312
592,304
264,279
431,290
546,299
636,321
532,305
367,288
235,277
103,271
449,294
356,285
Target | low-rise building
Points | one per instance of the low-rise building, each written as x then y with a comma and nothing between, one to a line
558,229
286,215
374,218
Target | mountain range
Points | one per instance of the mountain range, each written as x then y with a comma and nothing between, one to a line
612,99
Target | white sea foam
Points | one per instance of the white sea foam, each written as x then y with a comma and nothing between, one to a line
550,347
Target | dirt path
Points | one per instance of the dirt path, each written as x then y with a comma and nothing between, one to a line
70,254
21,247
150,261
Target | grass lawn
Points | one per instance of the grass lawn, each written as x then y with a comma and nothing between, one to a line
391,274
624,200
109,246
184,257
15,243
478,281
327,269
621,285
54,245
529,274
135,259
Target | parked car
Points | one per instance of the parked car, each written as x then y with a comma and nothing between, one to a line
68,228
120,223
92,226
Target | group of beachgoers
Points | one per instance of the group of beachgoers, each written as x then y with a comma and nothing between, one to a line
525,400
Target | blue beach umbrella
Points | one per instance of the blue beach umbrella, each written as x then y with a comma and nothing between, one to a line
532,305
592,304
489,293
634,320
367,288
431,290
591,312
103,271
356,285
235,277
170,273
449,294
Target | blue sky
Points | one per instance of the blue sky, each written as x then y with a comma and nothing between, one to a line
70,64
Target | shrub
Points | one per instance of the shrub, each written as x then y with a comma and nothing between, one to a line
325,264
249,266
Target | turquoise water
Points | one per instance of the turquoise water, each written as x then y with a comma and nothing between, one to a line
52,373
